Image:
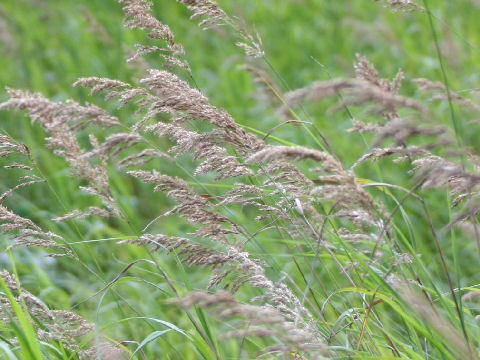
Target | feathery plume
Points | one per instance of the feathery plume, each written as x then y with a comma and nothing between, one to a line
357,92
260,321
402,5
270,153
213,15
61,120
23,231
58,325
138,16
442,93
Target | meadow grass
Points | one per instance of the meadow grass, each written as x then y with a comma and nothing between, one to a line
309,257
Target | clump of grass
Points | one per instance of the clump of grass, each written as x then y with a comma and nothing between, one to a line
351,282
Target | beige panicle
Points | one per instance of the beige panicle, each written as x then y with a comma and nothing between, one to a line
443,94
365,70
362,127
192,206
401,5
213,15
167,94
401,153
61,326
215,158
62,121
402,129
463,185
258,321
138,16
270,153
356,92
58,325
23,231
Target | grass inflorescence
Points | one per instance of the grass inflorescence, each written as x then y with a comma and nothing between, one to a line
152,221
